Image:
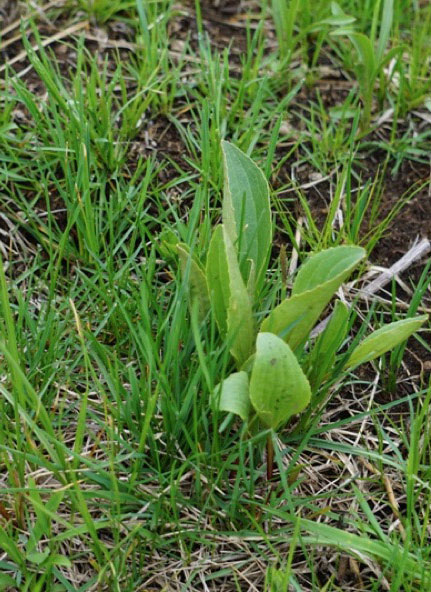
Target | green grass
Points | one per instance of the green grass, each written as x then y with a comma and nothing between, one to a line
115,474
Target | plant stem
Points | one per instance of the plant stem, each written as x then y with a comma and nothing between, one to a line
269,458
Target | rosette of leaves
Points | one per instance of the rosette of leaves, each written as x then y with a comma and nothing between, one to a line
276,376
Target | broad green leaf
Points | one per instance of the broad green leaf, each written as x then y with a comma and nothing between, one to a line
325,266
322,356
233,395
368,65
60,560
317,281
7,583
278,386
240,322
195,275
229,297
384,339
362,44
218,279
341,20
251,281
365,50
168,242
336,9
38,557
246,211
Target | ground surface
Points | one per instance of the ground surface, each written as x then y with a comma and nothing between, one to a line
114,474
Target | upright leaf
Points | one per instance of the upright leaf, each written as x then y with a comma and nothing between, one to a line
232,395
278,386
317,281
229,297
7,582
385,29
364,48
384,339
322,356
218,279
246,211
195,275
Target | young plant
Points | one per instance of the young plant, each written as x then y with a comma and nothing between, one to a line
371,52
278,368
103,10
301,27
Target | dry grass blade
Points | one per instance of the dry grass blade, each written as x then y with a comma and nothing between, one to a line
48,41
17,23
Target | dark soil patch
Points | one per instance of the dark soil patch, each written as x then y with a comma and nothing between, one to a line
414,220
